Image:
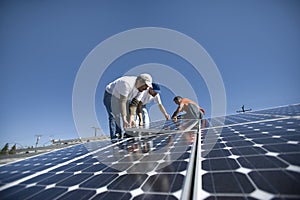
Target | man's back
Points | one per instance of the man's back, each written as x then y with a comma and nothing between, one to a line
123,86
185,102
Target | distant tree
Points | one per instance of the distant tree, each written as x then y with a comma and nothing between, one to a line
4,150
13,150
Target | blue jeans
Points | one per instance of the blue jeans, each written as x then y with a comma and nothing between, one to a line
114,127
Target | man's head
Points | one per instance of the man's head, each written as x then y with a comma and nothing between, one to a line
143,81
154,90
177,100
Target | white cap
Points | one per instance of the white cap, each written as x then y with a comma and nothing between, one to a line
146,78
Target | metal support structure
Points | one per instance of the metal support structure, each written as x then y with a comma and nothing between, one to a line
96,129
38,137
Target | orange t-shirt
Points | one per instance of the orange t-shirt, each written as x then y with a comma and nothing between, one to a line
184,105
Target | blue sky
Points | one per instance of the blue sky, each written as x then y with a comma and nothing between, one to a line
255,45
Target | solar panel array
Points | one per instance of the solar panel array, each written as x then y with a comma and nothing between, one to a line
253,155
154,166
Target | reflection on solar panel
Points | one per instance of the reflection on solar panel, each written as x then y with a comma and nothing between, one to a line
253,155
163,127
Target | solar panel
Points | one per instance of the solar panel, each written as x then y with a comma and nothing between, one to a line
155,166
253,155
291,110
258,159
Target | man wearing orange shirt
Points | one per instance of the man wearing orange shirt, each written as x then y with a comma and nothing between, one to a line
191,108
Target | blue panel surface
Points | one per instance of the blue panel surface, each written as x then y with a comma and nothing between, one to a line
254,155
134,168
255,160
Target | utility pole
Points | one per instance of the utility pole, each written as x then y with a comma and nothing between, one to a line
38,137
96,129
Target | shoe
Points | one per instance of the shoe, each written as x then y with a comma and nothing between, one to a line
119,136
127,135
114,140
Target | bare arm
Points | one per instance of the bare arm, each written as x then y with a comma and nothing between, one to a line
163,110
174,116
133,106
139,113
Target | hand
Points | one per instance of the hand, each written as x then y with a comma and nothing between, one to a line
132,121
141,123
167,116
125,122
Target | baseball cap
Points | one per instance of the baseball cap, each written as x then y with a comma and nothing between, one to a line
146,78
156,87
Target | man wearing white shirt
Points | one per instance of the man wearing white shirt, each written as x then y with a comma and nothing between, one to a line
117,95
151,94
